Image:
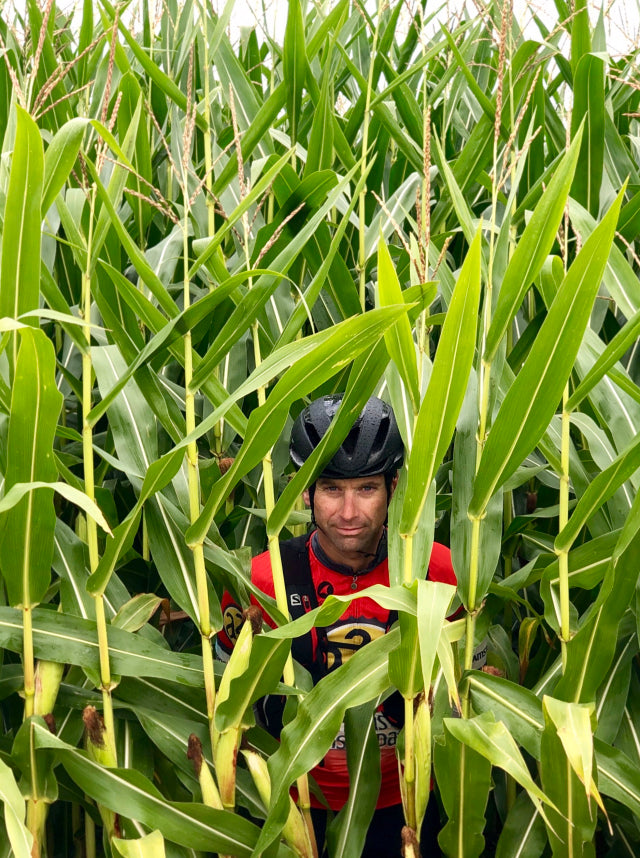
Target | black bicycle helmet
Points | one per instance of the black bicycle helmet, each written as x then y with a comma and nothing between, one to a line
373,445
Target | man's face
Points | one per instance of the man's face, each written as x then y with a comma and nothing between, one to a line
350,516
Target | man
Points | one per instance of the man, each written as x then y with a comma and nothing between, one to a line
345,553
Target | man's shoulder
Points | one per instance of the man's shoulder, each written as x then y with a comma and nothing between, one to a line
440,565
261,563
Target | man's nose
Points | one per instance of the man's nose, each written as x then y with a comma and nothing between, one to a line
349,509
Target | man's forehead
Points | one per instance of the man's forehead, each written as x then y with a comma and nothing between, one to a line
346,482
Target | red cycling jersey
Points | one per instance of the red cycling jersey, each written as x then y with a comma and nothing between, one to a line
362,622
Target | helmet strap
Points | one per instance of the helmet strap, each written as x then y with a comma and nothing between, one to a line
312,492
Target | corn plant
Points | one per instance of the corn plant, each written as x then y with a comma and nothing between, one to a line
201,233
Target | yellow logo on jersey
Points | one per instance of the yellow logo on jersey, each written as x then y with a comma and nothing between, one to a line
343,640
232,621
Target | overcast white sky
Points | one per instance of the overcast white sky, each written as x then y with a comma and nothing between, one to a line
622,17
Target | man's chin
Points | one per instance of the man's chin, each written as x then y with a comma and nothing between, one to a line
357,545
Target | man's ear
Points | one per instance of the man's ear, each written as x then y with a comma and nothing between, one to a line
306,498
392,487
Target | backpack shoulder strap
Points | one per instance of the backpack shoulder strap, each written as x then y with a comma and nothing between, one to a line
301,594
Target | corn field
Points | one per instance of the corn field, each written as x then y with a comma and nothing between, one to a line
200,235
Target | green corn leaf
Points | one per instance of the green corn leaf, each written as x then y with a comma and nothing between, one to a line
75,641
613,352
133,615
445,393
26,528
589,102
523,833
629,224
171,332
149,846
521,711
460,205
192,825
587,566
20,838
160,472
464,779
571,822
492,740
294,64
320,148
399,339
162,81
533,248
465,449
618,776
59,159
592,649
572,722
117,182
262,290
598,492
155,321
18,491
205,247
20,259
266,662
434,600
147,274
580,34
516,707
303,307
348,831
404,662
534,395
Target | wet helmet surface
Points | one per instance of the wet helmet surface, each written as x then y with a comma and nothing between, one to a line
373,445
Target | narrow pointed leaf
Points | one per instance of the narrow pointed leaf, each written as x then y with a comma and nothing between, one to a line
59,159
572,821
445,393
534,395
434,599
591,651
589,102
464,780
613,352
26,529
492,739
294,64
533,248
20,838
348,831
598,492
399,339
20,258
266,663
